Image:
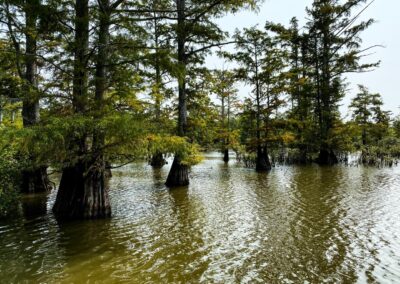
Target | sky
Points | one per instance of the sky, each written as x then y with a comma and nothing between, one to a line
386,31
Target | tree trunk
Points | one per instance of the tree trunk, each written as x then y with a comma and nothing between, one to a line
226,155
262,161
157,161
303,155
179,173
364,135
83,193
327,157
34,206
35,179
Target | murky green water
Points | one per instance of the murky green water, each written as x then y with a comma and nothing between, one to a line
232,225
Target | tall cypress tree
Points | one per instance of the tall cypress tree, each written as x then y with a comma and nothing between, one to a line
261,66
196,34
335,41
34,178
83,191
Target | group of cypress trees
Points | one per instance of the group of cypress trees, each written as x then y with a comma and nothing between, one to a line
86,64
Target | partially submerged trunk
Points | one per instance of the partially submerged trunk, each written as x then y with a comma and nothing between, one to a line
226,155
327,157
303,156
83,193
157,161
178,175
263,163
35,180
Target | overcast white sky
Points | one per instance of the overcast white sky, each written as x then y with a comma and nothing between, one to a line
385,80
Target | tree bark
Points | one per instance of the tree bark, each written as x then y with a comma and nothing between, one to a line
35,180
82,193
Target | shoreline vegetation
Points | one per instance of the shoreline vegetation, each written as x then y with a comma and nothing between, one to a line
87,86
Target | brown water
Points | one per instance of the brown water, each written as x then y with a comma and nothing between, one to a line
294,225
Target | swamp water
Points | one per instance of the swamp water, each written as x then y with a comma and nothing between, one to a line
231,225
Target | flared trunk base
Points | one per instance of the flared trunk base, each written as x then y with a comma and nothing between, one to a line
83,194
157,161
263,163
327,157
178,175
35,181
303,157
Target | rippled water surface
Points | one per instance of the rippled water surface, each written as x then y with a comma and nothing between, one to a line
231,225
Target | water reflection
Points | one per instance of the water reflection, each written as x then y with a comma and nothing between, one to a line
231,225
34,205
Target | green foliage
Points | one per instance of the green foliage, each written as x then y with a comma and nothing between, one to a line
10,168
296,77
396,127
369,117
188,152
127,138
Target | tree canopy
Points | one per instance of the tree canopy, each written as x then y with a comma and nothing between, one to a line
86,86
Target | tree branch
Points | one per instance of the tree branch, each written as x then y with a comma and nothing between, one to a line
219,44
